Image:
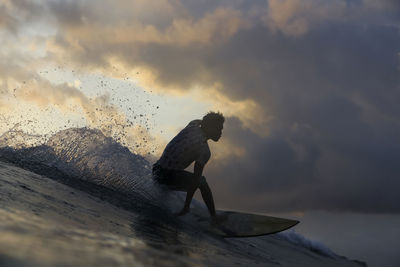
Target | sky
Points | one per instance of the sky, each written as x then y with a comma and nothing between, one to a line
309,89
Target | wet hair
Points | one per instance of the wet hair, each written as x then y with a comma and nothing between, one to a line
212,119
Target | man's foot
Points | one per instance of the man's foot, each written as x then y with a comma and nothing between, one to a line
215,220
182,212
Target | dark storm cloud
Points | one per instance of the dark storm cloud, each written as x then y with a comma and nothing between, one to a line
293,169
331,88
312,81
69,12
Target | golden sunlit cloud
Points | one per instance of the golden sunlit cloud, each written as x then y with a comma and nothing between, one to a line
251,114
226,149
98,113
248,111
295,17
210,29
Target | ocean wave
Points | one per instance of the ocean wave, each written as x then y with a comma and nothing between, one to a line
85,154
91,162
313,245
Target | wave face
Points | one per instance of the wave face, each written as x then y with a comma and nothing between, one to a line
96,171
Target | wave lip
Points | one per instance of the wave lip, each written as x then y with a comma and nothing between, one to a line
315,246
89,155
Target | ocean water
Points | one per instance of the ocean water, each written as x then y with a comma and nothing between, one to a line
82,199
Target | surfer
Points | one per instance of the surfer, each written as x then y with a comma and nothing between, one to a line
188,146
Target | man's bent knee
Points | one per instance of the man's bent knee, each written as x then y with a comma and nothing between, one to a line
202,182
199,182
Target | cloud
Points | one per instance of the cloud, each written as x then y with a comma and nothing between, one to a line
82,26
296,17
221,46
15,15
327,148
25,27
291,171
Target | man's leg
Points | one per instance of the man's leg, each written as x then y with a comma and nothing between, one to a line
185,181
189,197
207,197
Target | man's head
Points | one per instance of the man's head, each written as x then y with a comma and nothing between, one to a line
212,125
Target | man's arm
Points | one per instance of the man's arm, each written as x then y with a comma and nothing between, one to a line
198,171
205,192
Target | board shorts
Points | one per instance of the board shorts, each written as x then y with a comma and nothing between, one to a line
176,180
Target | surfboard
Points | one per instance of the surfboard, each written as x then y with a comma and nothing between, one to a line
239,224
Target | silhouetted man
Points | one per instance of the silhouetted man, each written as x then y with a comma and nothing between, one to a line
190,145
